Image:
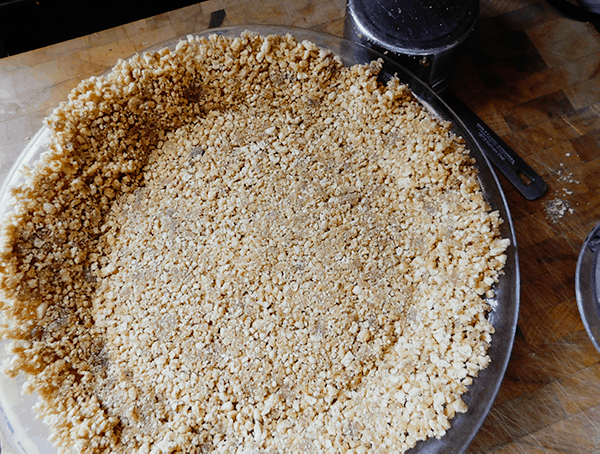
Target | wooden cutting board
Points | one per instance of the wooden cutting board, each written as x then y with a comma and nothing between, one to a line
532,75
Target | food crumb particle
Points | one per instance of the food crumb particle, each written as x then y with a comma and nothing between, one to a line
557,208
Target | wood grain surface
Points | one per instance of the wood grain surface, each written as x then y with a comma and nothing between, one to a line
532,76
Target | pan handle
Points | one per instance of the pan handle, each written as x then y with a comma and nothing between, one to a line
512,166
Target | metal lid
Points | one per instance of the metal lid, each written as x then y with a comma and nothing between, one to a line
414,27
587,285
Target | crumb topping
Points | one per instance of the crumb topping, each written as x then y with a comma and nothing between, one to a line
242,245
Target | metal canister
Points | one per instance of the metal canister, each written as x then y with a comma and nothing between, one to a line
424,36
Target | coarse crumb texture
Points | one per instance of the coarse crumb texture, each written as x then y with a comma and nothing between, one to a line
242,245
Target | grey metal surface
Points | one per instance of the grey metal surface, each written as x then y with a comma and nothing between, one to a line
587,285
426,37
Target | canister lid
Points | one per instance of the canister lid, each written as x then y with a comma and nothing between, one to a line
414,27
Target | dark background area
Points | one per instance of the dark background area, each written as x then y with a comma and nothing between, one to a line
30,24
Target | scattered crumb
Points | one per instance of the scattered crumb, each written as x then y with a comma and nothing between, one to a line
241,245
564,176
557,208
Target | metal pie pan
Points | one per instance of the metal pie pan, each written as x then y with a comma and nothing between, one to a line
26,434
587,285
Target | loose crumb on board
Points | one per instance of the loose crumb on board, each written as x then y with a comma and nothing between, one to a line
241,245
565,176
557,208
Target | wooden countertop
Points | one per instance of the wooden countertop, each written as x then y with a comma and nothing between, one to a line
532,75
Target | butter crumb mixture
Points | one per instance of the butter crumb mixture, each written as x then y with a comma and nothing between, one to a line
243,246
